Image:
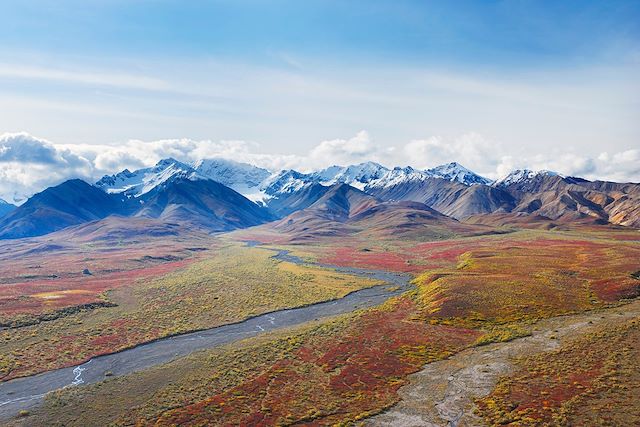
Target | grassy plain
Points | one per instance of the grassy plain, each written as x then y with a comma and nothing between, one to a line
42,279
227,284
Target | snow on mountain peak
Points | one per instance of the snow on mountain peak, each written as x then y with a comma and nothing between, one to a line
285,181
522,175
244,178
357,176
456,172
259,184
398,175
141,181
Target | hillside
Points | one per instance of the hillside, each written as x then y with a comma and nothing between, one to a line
70,203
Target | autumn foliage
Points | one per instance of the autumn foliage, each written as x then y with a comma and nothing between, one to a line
331,379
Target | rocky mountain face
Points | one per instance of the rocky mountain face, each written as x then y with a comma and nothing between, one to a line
347,211
203,203
328,215
448,197
568,198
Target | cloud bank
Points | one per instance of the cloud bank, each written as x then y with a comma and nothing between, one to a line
29,164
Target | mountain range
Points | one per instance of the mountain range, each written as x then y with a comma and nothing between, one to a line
220,195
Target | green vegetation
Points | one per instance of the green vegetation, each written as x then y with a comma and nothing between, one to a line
502,334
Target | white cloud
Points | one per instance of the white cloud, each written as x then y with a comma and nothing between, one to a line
24,148
29,164
360,148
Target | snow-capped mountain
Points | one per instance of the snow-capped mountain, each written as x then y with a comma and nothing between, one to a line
520,176
141,181
259,184
358,176
361,176
373,175
244,178
285,182
456,172
397,176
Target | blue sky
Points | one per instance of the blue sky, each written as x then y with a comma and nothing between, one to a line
505,83
485,33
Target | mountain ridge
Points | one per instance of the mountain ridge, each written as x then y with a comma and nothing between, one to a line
175,191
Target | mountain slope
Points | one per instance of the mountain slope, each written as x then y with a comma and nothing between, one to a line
203,203
327,215
70,203
342,201
5,207
347,211
175,198
448,197
284,204
417,220
561,198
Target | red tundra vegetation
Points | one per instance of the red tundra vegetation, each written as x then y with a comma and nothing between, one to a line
330,379
592,380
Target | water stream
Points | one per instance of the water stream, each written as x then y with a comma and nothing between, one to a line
24,393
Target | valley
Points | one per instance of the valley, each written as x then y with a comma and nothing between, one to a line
327,301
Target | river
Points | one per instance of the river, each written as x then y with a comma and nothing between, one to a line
27,392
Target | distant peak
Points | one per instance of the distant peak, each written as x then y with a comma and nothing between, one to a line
142,181
523,175
371,164
167,161
454,171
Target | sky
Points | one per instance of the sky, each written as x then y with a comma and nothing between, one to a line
92,87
